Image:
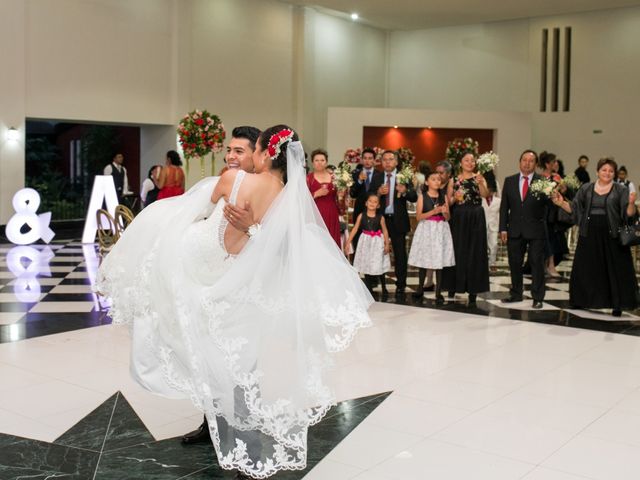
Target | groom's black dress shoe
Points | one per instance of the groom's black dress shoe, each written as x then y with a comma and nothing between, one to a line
511,299
537,304
200,435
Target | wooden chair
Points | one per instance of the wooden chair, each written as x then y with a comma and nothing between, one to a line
108,232
123,217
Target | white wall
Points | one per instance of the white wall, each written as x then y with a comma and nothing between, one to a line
99,60
496,66
512,130
477,67
242,52
605,90
344,66
12,100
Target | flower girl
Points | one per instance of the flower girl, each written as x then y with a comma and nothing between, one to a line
372,252
432,245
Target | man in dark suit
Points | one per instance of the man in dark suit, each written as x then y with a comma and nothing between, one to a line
522,228
393,205
365,179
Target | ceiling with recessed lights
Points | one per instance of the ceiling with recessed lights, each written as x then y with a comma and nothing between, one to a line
417,14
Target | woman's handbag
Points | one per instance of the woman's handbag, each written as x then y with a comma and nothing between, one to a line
629,234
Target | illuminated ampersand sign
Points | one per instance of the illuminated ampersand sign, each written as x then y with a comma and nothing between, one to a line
26,263
25,204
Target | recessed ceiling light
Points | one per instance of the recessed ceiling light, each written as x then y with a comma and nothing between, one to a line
354,16
395,126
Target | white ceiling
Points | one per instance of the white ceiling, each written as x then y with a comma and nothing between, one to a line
417,14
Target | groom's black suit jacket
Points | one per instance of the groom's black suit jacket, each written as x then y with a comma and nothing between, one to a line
522,219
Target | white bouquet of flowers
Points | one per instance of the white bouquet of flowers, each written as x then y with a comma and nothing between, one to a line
571,182
487,162
343,176
405,175
542,187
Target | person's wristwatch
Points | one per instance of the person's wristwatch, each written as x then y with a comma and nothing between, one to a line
253,229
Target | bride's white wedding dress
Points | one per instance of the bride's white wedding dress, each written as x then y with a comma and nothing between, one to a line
247,338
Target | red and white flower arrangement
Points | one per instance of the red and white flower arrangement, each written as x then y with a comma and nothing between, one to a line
200,133
458,147
405,155
353,155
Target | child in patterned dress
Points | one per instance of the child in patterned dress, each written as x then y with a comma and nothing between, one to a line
432,245
372,252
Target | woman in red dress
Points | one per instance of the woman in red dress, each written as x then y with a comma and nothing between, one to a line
320,183
171,180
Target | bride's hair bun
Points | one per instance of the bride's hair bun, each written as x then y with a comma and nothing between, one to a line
276,140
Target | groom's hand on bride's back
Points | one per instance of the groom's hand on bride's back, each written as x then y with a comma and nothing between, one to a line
240,218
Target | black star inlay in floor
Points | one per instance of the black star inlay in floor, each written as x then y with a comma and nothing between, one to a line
112,443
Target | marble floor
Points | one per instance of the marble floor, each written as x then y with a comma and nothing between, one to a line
425,393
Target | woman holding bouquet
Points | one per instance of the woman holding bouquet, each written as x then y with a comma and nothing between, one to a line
469,231
556,246
602,275
320,183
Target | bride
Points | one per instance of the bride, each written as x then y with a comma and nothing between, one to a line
243,326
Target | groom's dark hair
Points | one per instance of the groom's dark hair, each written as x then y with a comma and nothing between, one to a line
249,133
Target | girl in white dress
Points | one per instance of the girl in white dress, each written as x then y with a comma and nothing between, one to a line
372,252
235,322
432,245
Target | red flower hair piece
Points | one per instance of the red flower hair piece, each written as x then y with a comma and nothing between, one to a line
277,140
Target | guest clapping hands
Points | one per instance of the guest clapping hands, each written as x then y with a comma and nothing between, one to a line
602,275
469,232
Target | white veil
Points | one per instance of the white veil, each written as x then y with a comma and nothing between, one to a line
289,300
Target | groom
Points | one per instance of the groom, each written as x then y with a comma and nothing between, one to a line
522,228
239,155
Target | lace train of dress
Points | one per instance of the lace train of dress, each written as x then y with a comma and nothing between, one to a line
247,338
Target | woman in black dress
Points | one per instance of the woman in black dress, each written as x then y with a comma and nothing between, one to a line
602,275
556,246
469,232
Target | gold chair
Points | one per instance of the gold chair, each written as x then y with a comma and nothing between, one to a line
108,232
123,217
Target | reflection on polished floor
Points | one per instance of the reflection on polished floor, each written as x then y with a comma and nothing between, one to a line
476,394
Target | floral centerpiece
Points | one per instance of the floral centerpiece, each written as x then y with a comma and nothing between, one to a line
458,147
201,133
405,155
353,155
405,174
487,162
343,176
542,187
379,151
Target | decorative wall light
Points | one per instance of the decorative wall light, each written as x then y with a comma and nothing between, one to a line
355,16
104,190
13,135
25,204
